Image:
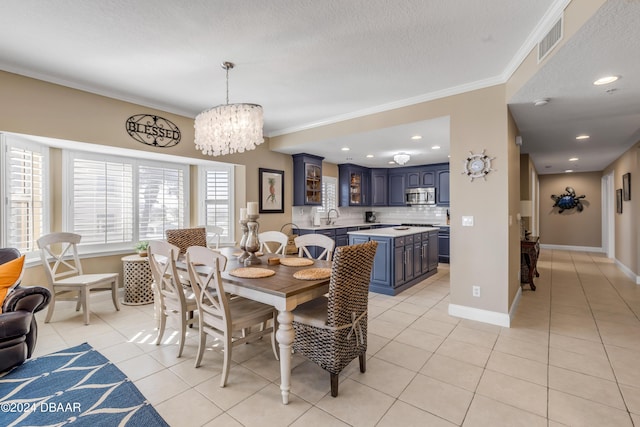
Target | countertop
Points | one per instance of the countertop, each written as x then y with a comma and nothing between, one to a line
330,227
393,231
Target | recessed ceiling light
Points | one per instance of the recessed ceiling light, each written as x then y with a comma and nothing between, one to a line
369,156
435,147
540,102
391,162
345,148
606,80
416,137
569,170
580,137
573,159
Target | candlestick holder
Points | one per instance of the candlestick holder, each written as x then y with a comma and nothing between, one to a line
252,244
243,241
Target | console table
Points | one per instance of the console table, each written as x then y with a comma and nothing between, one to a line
529,252
137,280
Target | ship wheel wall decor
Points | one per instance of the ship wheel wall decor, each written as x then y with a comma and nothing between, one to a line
477,165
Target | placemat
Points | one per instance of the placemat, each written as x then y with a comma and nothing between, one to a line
313,273
251,272
296,262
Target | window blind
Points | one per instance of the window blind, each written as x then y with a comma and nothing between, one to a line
217,199
329,194
160,201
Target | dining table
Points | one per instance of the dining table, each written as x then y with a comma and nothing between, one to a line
281,290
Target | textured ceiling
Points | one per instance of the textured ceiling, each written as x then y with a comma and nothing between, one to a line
307,62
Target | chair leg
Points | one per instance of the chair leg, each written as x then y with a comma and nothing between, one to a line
227,359
183,333
85,305
201,345
162,322
334,384
363,362
114,295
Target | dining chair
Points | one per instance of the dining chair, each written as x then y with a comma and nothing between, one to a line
213,235
277,237
185,237
66,279
173,300
332,331
221,316
326,243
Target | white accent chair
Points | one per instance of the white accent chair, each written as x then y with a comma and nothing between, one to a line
320,240
213,236
67,281
277,237
218,314
172,299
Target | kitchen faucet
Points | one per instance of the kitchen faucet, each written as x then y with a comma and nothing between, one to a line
329,213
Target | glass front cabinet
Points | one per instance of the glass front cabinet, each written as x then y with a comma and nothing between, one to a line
307,180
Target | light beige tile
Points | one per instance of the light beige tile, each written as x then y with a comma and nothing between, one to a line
317,417
474,336
384,328
188,409
245,383
420,339
464,352
525,349
571,410
356,404
384,376
140,367
433,326
486,412
402,414
585,386
590,365
161,386
631,397
525,369
439,398
576,345
625,365
223,420
407,356
194,376
513,391
452,371
120,352
397,317
265,408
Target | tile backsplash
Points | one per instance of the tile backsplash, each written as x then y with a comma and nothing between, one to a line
303,215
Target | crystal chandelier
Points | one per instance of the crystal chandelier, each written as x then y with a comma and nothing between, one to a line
229,128
401,158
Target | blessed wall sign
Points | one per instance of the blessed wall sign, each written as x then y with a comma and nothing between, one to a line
153,130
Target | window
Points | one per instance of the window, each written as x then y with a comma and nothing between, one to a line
24,192
329,194
216,183
104,192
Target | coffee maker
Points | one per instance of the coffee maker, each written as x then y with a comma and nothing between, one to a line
369,216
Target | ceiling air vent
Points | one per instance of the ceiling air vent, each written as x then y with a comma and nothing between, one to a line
550,40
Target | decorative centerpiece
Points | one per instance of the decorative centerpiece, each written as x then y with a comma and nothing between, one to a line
142,247
252,244
243,241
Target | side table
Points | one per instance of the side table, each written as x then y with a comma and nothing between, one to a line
529,252
137,280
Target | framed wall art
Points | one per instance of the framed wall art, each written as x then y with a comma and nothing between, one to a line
626,186
619,200
271,187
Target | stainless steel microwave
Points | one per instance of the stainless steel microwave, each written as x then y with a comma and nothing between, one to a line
420,196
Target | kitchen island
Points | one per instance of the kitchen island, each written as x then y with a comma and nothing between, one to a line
405,256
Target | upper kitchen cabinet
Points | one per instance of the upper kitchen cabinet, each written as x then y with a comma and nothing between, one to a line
354,182
442,184
421,176
379,187
307,180
397,184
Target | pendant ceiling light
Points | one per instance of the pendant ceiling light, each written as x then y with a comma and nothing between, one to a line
229,128
401,158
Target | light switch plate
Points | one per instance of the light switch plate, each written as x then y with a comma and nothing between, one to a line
467,221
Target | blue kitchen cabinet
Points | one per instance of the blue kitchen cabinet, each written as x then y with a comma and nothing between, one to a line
443,245
307,180
442,186
354,185
379,186
397,186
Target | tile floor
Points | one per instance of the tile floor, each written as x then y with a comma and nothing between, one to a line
569,359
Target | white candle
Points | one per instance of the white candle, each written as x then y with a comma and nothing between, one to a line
243,213
252,208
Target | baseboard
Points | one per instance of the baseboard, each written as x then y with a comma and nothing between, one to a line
480,315
626,270
573,248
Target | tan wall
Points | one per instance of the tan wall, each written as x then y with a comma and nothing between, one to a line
627,224
529,183
513,151
34,107
571,228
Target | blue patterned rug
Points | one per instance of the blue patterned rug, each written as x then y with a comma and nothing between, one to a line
76,387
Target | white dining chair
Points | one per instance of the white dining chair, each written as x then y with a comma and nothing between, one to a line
213,236
277,237
67,281
326,243
218,314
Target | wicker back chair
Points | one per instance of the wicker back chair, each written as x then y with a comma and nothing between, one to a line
172,299
185,237
332,331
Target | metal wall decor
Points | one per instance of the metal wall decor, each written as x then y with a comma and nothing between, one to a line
477,165
568,200
153,130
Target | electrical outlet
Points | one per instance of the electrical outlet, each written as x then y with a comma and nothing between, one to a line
476,291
